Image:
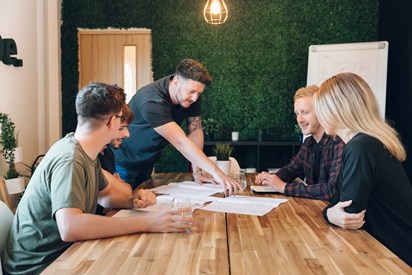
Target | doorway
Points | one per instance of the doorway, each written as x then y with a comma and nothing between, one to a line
121,57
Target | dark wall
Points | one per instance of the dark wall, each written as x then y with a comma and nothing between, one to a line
395,26
258,58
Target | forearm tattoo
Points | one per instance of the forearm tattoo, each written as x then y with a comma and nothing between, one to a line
194,123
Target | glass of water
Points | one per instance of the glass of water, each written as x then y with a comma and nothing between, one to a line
184,204
240,178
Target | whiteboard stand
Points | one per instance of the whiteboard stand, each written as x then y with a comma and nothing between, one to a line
369,60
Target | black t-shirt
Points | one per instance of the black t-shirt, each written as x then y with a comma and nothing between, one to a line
107,160
107,163
152,108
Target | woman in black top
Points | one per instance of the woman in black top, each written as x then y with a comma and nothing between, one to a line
372,177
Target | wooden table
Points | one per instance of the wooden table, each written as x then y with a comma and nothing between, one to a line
291,239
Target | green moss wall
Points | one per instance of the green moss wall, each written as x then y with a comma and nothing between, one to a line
258,58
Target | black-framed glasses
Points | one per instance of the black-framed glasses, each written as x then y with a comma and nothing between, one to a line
122,118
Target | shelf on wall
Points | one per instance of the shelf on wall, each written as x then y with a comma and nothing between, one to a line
266,153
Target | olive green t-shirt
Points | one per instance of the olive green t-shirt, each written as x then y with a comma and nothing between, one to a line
65,178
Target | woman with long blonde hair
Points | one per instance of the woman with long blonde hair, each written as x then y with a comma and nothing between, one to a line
372,177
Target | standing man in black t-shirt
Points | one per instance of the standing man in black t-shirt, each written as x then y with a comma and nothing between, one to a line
160,108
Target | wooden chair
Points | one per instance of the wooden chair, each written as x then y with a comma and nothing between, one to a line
6,218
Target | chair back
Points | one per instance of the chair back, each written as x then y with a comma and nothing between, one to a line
6,218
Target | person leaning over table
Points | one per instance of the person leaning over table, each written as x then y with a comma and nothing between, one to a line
58,205
159,109
372,177
318,160
107,162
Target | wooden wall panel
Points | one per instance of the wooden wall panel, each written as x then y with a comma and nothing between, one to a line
101,56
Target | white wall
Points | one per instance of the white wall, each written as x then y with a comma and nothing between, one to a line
31,94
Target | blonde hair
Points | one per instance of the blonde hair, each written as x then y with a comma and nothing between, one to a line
305,91
346,101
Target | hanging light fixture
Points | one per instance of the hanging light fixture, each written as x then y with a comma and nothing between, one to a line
215,12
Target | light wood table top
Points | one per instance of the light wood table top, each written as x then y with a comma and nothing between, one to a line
291,239
202,251
295,239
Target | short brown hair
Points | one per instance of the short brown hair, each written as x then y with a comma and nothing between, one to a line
98,100
128,114
192,69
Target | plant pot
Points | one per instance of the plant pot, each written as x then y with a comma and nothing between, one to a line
235,136
224,165
16,185
18,154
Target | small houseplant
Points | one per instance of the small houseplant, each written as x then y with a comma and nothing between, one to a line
9,144
223,151
210,127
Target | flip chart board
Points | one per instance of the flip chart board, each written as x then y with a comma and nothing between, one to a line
368,60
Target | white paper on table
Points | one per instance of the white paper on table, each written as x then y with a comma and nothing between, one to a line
205,186
164,202
188,189
244,205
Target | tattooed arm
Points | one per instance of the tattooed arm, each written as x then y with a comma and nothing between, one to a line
195,130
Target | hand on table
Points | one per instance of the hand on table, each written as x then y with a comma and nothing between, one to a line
200,179
143,198
231,187
271,180
339,217
169,221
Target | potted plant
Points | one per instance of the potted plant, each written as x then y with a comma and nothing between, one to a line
9,144
210,127
223,151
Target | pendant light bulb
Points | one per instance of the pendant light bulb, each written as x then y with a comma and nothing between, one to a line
215,12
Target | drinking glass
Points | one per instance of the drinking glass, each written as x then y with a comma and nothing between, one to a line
179,203
240,178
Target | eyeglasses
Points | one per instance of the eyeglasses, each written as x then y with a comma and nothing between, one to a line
122,118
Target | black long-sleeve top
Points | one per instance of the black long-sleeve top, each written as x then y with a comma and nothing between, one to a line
374,180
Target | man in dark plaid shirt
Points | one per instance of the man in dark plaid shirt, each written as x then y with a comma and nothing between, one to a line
318,160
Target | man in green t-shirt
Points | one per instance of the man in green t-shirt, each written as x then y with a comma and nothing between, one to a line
58,206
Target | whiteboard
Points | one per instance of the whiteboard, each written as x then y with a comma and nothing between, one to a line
368,60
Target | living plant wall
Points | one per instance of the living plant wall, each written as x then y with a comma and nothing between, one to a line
258,58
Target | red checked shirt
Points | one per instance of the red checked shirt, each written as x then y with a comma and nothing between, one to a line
303,165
